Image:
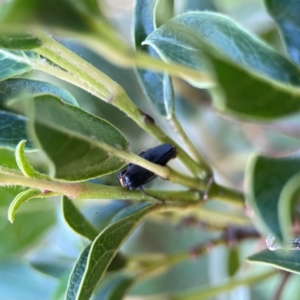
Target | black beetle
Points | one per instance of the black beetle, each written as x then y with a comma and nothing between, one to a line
135,176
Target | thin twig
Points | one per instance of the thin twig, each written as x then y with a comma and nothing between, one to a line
279,291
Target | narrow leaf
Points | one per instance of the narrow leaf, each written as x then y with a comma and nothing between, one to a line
76,220
24,165
288,260
152,83
15,63
77,274
24,197
107,244
266,177
286,14
69,136
114,288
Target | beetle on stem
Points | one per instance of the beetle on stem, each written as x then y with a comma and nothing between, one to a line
135,176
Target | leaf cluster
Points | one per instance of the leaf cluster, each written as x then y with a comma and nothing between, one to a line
52,146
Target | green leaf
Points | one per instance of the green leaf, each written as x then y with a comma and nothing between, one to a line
222,35
89,270
19,41
154,84
24,165
251,96
12,125
266,178
21,88
24,197
13,130
76,220
51,265
115,288
246,78
286,206
71,138
286,14
288,260
13,63
77,274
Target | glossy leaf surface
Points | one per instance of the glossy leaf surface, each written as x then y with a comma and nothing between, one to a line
15,63
21,88
96,258
266,178
69,136
76,220
13,130
246,78
287,260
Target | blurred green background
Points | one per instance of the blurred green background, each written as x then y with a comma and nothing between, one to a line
37,252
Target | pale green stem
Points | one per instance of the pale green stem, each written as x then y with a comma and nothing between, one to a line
117,52
190,146
211,219
64,75
143,60
162,263
83,190
93,80
224,194
211,291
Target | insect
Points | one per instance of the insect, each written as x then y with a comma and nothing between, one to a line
135,176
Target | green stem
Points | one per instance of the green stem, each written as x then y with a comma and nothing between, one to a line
210,292
93,80
87,190
211,219
65,76
162,263
109,45
190,146
83,190
145,61
224,194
